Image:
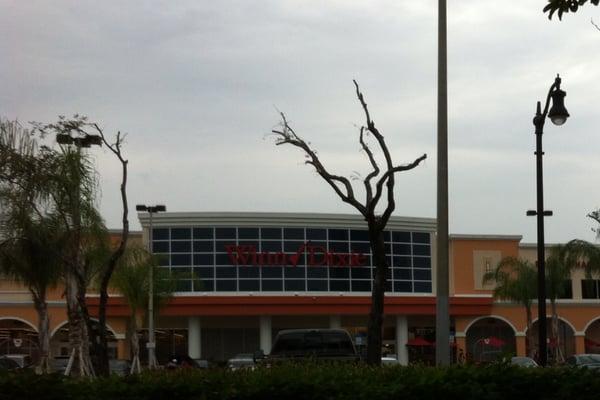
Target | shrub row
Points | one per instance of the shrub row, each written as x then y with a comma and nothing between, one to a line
314,382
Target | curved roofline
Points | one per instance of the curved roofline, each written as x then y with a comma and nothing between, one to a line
279,219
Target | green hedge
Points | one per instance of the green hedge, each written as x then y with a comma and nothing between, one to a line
314,382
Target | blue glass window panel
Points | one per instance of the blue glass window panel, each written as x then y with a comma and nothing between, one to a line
270,246
422,274
402,273
421,250
203,246
361,286
294,233
247,285
204,272
402,261
360,273
272,272
292,246
225,233
223,259
294,272
338,234
270,233
181,272
359,235
339,285
226,286
201,285
204,259
294,285
226,272
400,236
203,233
422,287
160,247
316,272
421,262
160,233
221,245
316,234
249,272
181,259
183,286
339,272
163,259
338,247
316,285
360,248
253,243
248,233
181,233
402,249
421,237
181,247
403,287
269,285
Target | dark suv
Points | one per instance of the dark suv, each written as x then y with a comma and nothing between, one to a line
317,344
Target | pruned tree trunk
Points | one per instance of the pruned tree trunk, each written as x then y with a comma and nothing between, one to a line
558,356
374,192
135,346
79,363
41,308
529,337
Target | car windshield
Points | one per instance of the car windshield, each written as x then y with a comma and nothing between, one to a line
331,343
589,359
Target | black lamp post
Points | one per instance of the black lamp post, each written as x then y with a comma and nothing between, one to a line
151,345
558,114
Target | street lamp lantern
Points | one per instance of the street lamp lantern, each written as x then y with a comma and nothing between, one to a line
558,114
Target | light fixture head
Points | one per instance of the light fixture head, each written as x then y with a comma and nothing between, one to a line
558,114
140,207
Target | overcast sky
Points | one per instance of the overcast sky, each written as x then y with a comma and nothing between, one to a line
196,85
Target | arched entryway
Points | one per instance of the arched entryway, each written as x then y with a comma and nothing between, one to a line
59,342
558,348
592,337
490,339
18,337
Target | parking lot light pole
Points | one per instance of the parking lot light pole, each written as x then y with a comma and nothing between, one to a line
558,114
151,345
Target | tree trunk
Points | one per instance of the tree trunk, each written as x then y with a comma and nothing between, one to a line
79,363
557,351
135,345
529,337
41,308
374,332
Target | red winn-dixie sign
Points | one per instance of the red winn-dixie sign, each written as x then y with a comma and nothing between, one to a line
315,256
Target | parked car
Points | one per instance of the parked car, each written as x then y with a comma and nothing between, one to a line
119,367
584,360
241,361
526,362
184,361
8,364
23,360
389,360
318,344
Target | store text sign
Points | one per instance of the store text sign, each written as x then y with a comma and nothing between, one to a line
315,256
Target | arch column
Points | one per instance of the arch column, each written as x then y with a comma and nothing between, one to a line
461,347
123,351
521,340
401,339
265,333
579,343
194,337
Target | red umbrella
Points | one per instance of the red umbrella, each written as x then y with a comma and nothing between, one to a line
591,343
419,341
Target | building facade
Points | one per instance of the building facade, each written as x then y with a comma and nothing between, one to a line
242,277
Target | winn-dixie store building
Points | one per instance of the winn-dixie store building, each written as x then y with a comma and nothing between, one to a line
242,277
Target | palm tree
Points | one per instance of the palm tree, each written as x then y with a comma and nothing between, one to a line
131,280
516,280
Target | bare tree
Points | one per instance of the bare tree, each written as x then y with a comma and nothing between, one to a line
374,184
